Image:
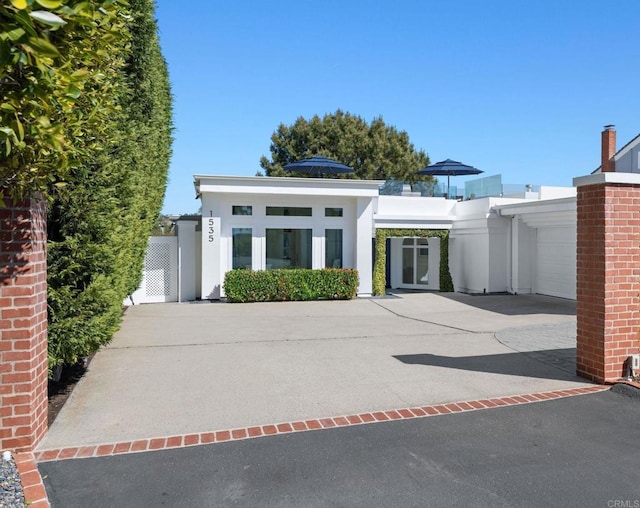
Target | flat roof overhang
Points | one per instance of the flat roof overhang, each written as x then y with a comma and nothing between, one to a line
411,222
533,207
548,213
286,185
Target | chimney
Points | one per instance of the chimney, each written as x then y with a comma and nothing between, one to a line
608,149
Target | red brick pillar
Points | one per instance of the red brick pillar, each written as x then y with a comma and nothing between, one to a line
608,274
23,325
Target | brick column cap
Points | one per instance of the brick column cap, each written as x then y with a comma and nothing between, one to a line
600,178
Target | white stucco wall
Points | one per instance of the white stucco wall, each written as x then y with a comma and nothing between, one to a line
403,212
415,205
522,246
479,246
549,192
221,206
355,197
364,245
478,257
187,260
211,274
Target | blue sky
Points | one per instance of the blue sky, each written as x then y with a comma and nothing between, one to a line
517,88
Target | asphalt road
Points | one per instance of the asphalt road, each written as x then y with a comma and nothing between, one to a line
577,451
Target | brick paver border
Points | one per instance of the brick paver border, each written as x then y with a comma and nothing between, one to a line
221,436
35,494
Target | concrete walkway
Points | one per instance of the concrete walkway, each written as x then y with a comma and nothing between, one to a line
189,368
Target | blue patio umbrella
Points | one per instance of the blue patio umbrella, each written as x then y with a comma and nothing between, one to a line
318,166
449,168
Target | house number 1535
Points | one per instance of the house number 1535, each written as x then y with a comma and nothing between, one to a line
211,230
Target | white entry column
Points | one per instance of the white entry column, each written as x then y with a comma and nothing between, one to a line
211,273
364,234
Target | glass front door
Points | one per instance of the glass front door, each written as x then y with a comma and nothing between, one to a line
415,262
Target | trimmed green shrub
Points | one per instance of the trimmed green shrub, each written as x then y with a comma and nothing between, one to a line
294,285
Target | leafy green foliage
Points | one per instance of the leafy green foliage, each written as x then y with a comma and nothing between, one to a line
293,284
446,282
58,61
99,223
379,272
375,151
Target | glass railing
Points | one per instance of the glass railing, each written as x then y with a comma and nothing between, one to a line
488,186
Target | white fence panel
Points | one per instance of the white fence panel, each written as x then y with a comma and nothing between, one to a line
160,272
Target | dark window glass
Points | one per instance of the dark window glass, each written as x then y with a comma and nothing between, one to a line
333,212
288,248
289,211
242,210
333,248
241,248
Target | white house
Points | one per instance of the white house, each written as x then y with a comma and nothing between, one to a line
264,223
518,243
496,244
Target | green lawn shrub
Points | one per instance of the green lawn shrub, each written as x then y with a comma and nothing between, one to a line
290,285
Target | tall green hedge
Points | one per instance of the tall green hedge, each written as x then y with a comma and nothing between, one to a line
99,225
379,269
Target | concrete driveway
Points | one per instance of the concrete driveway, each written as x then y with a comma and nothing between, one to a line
199,367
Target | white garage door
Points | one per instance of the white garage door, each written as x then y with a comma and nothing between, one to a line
556,262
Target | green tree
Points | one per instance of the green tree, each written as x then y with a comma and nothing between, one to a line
375,151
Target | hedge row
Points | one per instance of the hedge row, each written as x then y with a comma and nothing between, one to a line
99,222
297,284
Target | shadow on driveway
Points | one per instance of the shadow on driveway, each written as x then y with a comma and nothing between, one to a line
514,305
560,361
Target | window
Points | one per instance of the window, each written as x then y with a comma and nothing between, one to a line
333,248
289,211
241,246
242,210
288,248
333,212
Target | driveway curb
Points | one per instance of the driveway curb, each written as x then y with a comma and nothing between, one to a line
219,436
34,492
